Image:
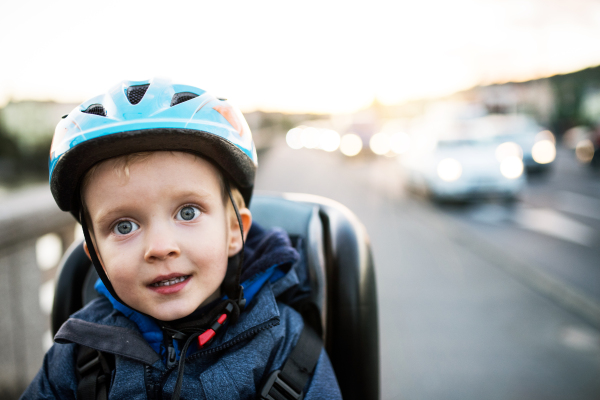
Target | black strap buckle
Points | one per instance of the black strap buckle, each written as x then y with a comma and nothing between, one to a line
277,389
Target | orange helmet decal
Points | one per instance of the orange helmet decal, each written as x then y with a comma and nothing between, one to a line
231,116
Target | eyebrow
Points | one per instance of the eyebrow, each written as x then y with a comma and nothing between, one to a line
109,215
193,193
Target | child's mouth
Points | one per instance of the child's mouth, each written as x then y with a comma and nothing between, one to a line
169,282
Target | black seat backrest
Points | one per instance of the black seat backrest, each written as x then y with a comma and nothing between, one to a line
343,291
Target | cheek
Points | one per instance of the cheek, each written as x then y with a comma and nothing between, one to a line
208,255
122,275
212,238
118,260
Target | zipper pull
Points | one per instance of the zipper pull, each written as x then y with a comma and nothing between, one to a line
171,353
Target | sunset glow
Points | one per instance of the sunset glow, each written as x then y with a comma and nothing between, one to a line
295,57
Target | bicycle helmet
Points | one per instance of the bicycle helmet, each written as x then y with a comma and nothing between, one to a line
149,116
154,115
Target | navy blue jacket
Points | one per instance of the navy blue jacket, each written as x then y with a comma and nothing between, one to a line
234,365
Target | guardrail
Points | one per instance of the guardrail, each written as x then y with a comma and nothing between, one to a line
33,235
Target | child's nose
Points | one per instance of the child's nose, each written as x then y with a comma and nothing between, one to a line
160,246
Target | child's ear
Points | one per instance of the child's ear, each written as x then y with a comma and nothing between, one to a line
87,251
235,240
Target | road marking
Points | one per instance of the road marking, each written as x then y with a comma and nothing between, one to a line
490,213
581,338
553,223
579,204
568,296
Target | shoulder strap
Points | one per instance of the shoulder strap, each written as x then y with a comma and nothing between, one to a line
288,383
94,373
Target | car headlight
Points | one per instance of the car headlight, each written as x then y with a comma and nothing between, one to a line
508,149
449,169
584,151
545,135
350,144
543,152
511,167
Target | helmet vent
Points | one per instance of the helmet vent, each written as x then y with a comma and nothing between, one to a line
181,97
96,109
136,93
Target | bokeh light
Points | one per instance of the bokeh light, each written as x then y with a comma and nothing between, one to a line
313,138
293,138
350,144
449,169
545,135
310,137
329,140
543,152
508,149
380,143
584,151
511,167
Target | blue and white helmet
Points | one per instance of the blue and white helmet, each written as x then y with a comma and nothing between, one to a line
149,115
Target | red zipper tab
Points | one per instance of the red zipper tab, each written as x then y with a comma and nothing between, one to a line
205,337
210,333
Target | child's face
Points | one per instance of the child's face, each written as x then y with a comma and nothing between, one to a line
163,234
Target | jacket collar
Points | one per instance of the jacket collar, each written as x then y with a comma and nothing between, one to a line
101,327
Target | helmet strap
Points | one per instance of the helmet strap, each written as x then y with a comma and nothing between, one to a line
231,284
94,255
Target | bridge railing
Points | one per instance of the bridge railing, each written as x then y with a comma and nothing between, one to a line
33,235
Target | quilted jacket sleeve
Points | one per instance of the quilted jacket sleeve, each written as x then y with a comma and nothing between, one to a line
56,379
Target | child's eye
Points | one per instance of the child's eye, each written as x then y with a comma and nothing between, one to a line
125,227
188,213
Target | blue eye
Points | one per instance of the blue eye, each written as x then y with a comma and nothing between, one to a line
188,213
125,227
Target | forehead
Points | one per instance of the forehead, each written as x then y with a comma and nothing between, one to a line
168,168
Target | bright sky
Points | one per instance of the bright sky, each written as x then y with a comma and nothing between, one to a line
316,56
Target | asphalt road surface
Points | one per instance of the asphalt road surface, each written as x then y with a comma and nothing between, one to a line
479,301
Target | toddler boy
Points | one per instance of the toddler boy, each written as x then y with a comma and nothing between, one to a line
159,175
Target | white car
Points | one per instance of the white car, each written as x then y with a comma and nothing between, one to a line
463,162
538,145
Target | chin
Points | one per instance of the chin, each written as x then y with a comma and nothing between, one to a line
171,313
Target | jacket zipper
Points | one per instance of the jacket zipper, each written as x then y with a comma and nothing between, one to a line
267,325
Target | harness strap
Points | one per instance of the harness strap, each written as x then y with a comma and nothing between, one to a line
288,383
94,374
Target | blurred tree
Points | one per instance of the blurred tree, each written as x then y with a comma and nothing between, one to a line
24,142
9,156
570,91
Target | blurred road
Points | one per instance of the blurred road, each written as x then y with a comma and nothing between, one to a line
478,301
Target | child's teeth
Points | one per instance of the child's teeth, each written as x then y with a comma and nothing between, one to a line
170,281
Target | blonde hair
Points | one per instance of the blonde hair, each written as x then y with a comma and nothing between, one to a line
121,165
